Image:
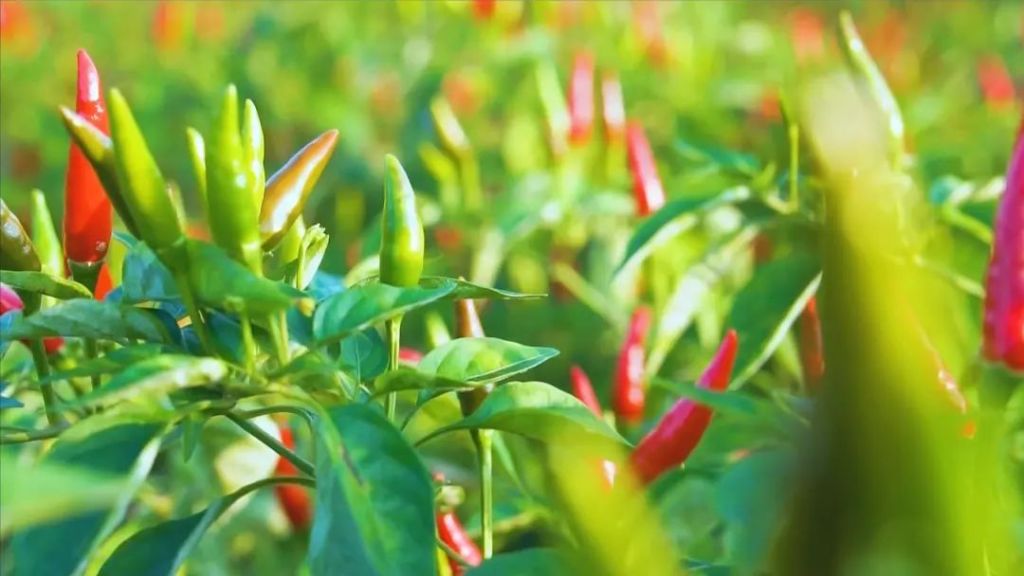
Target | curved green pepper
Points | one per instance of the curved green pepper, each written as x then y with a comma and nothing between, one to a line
288,189
99,150
230,200
44,237
140,181
401,245
16,249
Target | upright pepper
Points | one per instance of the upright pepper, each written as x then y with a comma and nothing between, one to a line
232,207
612,108
452,533
680,430
401,245
44,237
88,219
581,99
812,352
449,130
294,499
197,153
467,320
1004,285
288,189
16,249
629,372
583,390
647,189
252,150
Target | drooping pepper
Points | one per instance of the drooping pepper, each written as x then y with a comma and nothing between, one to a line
583,390
452,533
401,246
647,189
812,352
467,321
680,430
88,218
288,189
612,108
581,99
1004,285
44,237
231,205
294,499
629,372
16,249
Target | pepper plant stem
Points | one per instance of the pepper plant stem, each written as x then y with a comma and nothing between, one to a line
91,353
247,343
189,300
301,463
46,389
394,334
482,440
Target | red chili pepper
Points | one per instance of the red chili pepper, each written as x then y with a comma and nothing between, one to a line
294,499
452,533
647,189
104,284
807,32
483,9
410,355
1004,294
680,430
581,99
812,351
583,390
9,300
88,217
996,83
612,108
629,373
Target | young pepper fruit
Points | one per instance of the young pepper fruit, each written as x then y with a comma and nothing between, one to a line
1004,284
294,499
647,189
452,533
88,218
583,390
44,237
680,430
16,249
581,99
401,246
629,372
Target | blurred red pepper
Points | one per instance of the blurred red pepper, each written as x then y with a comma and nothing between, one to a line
582,389
680,430
807,33
410,355
812,351
1004,287
581,99
168,25
996,83
294,499
88,216
483,9
452,533
613,110
647,189
9,300
629,372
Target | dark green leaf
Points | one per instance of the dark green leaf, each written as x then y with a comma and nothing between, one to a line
112,361
144,277
160,550
411,379
370,304
767,306
482,360
41,283
157,376
534,562
364,355
6,402
84,318
220,282
467,290
374,499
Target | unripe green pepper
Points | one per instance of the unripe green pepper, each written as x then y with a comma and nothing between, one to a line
16,249
288,189
401,246
231,206
197,152
44,237
252,149
140,181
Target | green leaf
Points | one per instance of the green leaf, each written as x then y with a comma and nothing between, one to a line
41,283
84,318
112,361
467,290
161,549
7,402
370,304
144,277
535,410
374,499
62,546
732,402
404,378
535,562
767,306
156,377
482,360
673,219
220,282
364,355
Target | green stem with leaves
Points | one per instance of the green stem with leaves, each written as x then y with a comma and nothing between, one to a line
189,300
394,336
256,432
482,441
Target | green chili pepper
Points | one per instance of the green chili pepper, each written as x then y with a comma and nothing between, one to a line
252,149
448,129
197,151
143,186
44,237
99,150
291,243
401,246
288,189
230,199
16,249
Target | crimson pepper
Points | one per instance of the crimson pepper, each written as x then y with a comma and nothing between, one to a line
647,189
629,373
996,82
612,108
9,300
582,389
812,352
483,9
581,99
410,355
1004,293
680,430
294,499
88,217
452,533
